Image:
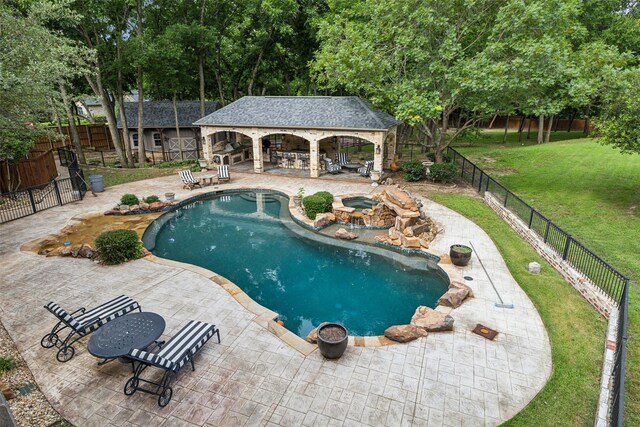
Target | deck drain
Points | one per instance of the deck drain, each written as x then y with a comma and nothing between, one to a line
26,389
484,331
469,278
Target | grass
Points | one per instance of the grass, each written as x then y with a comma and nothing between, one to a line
570,396
591,191
7,363
116,176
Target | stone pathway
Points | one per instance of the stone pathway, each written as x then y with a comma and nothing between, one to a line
254,378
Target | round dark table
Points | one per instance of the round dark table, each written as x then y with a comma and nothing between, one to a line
118,337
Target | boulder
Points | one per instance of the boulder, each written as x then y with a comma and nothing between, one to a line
123,208
156,206
418,229
453,298
144,205
312,337
399,197
404,333
324,219
410,242
534,267
459,285
112,212
431,320
75,250
65,250
134,207
7,392
345,235
86,251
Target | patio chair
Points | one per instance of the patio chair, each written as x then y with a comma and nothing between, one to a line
366,169
189,180
179,350
81,323
223,173
331,167
342,159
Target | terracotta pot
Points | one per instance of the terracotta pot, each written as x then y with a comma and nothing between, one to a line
394,166
332,340
460,255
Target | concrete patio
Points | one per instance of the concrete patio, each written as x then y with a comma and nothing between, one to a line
253,377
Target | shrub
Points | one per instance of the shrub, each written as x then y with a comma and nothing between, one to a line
432,157
118,246
444,172
413,171
151,199
179,163
129,199
7,363
317,203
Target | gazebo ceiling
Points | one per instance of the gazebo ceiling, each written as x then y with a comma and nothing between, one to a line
301,112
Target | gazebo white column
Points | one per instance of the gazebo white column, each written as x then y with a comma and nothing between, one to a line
314,158
258,165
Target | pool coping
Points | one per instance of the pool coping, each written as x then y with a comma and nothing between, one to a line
266,317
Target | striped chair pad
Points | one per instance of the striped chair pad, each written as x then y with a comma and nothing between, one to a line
223,171
187,177
107,312
368,165
180,348
342,159
64,316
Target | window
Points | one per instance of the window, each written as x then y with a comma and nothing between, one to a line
134,140
157,141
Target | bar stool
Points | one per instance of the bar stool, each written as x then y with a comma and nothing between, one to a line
289,160
304,161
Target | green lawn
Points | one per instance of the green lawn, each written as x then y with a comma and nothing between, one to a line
591,191
116,176
571,394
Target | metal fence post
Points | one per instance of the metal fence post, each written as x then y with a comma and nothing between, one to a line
506,196
55,186
102,156
33,202
546,231
473,175
464,160
565,252
531,218
480,183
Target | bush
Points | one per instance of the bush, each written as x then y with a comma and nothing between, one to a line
413,171
319,202
7,363
129,199
432,157
444,172
118,246
151,199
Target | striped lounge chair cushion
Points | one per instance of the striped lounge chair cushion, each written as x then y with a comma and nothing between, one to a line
62,314
107,312
366,169
341,158
187,177
180,348
223,172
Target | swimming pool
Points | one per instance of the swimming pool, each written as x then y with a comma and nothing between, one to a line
359,203
251,239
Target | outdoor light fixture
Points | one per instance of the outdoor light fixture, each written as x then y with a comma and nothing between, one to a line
377,149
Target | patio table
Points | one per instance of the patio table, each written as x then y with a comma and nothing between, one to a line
209,178
352,167
118,337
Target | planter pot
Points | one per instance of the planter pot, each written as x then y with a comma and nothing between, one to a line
460,255
332,340
170,196
203,163
375,176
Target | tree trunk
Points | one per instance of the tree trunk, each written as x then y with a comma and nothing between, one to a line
105,99
254,72
573,115
506,129
125,128
175,115
201,79
585,130
75,138
521,128
541,129
529,129
493,120
90,117
548,134
442,140
142,151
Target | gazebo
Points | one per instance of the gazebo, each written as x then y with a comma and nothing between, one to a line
311,119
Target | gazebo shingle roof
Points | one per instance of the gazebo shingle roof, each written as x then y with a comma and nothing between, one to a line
159,114
316,112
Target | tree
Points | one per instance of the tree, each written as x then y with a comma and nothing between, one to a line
413,58
619,121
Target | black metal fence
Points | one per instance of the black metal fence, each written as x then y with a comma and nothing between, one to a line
26,202
609,280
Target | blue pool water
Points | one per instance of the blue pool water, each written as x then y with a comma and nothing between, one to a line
250,239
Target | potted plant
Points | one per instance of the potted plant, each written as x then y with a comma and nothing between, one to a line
460,255
332,339
170,196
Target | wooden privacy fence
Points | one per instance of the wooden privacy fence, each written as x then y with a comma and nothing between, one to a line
36,169
91,136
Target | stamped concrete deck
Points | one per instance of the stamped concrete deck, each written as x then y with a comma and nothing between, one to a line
254,378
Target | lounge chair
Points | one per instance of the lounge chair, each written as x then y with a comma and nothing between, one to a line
331,167
366,169
223,173
179,350
81,323
189,180
342,159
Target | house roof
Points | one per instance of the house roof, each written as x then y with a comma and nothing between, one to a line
159,114
315,112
